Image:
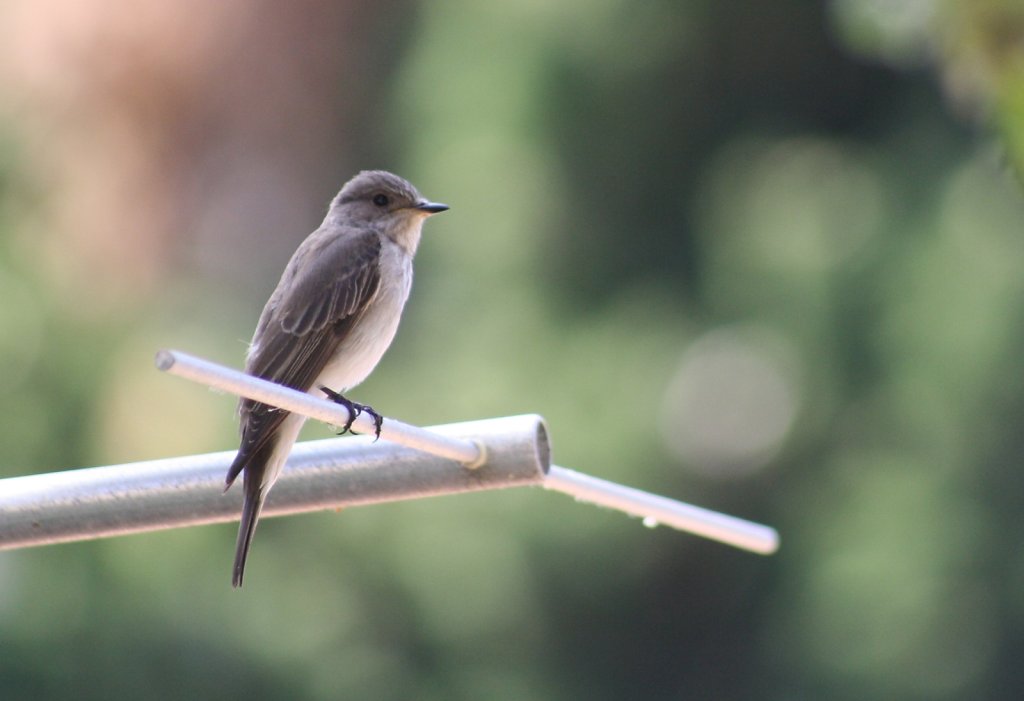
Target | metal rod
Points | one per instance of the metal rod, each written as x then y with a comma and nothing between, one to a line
662,510
213,375
503,452
703,522
327,474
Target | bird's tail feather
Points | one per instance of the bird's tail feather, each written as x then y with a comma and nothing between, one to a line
243,457
254,497
260,463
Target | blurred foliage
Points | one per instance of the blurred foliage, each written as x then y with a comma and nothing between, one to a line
765,257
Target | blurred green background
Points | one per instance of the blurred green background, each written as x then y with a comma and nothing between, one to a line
764,257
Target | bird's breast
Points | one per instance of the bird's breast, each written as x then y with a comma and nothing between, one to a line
372,333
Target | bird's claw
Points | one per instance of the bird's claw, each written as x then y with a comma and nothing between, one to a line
354,410
378,420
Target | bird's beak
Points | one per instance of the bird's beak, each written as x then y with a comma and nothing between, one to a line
430,207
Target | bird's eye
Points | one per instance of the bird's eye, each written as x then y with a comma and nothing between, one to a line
381,200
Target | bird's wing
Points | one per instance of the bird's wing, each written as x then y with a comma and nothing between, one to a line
306,326
336,285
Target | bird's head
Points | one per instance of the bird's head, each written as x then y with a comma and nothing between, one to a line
381,199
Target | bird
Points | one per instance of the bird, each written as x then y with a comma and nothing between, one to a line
331,317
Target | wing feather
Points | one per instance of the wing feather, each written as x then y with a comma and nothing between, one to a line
304,324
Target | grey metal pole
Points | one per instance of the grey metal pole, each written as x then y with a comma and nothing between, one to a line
413,462
661,511
326,474
204,372
652,508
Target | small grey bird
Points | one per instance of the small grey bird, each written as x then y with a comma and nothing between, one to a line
332,316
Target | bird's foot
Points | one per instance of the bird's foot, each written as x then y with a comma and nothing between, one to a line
378,420
354,410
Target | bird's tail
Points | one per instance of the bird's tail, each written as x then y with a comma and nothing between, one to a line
254,497
260,463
